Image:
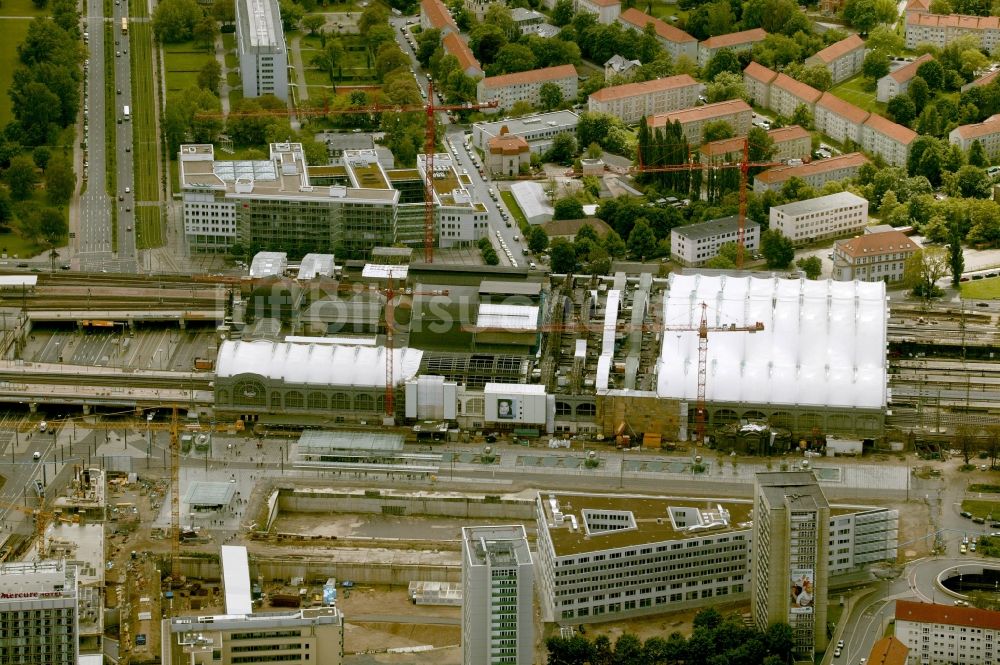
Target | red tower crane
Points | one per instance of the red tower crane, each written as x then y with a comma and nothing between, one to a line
744,165
430,108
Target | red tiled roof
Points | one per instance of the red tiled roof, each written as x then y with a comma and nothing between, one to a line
797,88
735,38
907,72
508,144
949,615
874,244
759,72
723,147
840,49
888,651
953,21
638,19
845,110
982,80
989,126
918,6
604,3
643,88
532,76
699,113
893,130
790,133
457,47
437,14
782,173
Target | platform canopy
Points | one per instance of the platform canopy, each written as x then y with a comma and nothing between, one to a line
823,343
316,364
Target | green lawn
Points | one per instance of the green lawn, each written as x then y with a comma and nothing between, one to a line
229,45
17,247
145,139
110,119
148,230
136,9
515,211
19,8
984,509
14,32
982,289
183,62
853,90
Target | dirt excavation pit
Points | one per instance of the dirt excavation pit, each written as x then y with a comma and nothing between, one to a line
381,617
392,527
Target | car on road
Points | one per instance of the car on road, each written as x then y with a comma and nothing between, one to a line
36,456
972,547
966,514
979,520
39,489
961,549
121,197
128,148
118,54
128,190
128,228
25,265
836,652
840,644
119,91
516,238
66,266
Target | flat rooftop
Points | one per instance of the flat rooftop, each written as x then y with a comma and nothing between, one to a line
497,545
531,123
319,442
201,493
651,517
797,489
712,227
82,544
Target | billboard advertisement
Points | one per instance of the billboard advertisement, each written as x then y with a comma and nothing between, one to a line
506,408
802,590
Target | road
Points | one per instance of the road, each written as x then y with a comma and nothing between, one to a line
20,469
126,181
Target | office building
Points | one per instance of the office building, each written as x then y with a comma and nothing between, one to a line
840,120
674,40
435,16
842,59
880,136
497,596
735,112
898,82
606,11
538,130
39,613
816,174
260,45
830,216
787,94
734,41
617,66
872,257
986,132
508,89
941,29
791,521
633,101
945,634
694,244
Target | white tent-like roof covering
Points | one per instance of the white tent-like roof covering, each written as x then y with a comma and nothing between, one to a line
316,364
823,343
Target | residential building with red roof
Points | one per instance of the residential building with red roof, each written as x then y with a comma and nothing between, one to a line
815,174
941,29
982,80
509,89
453,44
948,633
758,79
877,256
986,132
881,136
736,112
838,119
898,82
888,651
789,143
434,15
505,153
787,94
633,101
842,59
674,40
734,41
918,6
606,11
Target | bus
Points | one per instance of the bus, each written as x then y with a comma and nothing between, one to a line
124,25
126,113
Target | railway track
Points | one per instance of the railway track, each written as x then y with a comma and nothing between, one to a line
121,379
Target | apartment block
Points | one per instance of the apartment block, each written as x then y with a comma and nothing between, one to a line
829,216
791,522
39,613
674,40
986,79
816,173
986,132
260,45
735,112
941,29
435,16
634,101
734,41
944,634
791,142
694,244
881,136
758,79
898,82
872,257
538,130
509,89
842,59
840,120
606,11
787,94
498,596
453,44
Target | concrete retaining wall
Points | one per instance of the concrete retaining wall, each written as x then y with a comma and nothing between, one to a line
320,569
306,501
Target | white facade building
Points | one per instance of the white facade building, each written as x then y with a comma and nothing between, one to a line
944,634
260,45
538,130
842,59
872,257
829,216
986,132
677,42
816,173
898,82
39,613
508,89
497,596
694,244
633,101
606,11
462,221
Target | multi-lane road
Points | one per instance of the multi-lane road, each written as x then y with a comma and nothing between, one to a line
126,183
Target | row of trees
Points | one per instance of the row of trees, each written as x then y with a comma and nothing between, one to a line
500,47
177,21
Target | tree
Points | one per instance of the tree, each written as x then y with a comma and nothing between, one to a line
811,266
919,92
568,207
866,14
802,117
902,109
717,130
512,58
374,15
818,76
563,149
614,245
885,39
330,58
876,65
932,72
6,210
51,225
490,257
21,177
428,41
956,258
485,41
209,76
973,183
538,239
174,20
204,32
389,59
594,151
642,240
60,181
726,86
977,155
499,14
550,95
922,271
777,249
562,256
562,14
723,61
313,23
